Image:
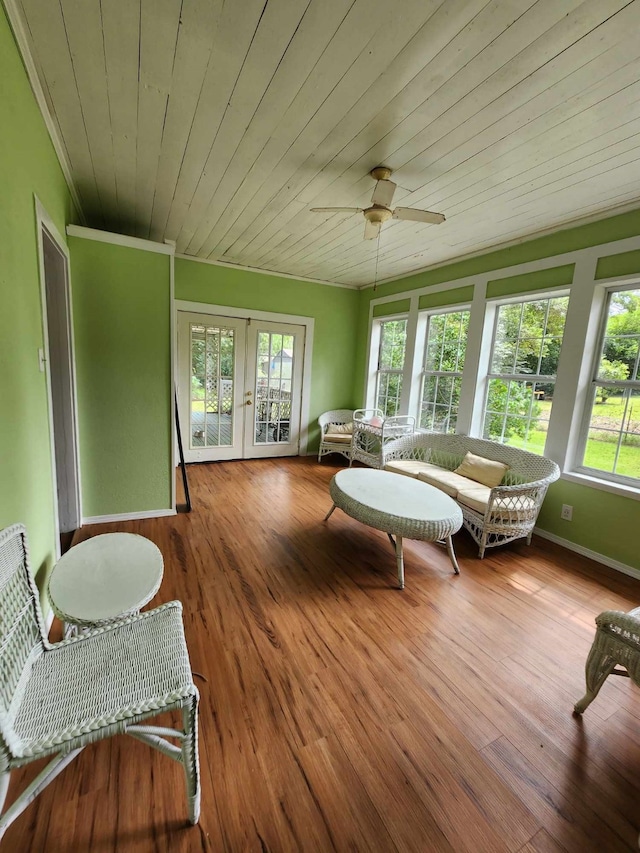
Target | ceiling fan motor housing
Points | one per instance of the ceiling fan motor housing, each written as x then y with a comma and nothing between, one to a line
377,213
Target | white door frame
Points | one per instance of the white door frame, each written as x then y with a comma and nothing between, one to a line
186,319
250,314
45,223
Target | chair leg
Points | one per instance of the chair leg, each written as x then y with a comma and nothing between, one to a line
190,759
599,666
53,768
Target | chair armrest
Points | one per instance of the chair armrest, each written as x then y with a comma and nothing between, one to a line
523,501
623,626
127,620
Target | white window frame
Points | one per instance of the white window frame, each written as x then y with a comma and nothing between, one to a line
376,345
583,436
491,321
424,373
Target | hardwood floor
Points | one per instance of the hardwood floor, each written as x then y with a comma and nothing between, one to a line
339,713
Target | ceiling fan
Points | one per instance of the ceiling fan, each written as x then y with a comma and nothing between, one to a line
380,209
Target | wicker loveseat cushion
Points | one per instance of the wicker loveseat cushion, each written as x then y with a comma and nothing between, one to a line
447,481
478,498
338,437
340,428
409,467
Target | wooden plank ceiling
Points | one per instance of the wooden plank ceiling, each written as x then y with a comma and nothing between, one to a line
219,124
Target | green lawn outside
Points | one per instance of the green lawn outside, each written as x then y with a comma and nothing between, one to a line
599,454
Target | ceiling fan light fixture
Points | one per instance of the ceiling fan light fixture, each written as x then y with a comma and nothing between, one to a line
377,213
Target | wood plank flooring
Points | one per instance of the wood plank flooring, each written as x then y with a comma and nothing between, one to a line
339,713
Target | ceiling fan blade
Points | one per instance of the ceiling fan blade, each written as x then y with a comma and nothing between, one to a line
412,214
383,193
371,230
336,210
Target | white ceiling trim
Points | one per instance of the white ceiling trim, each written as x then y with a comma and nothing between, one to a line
15,21
528,238
119,240
266,272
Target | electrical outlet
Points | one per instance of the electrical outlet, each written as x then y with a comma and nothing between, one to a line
567,512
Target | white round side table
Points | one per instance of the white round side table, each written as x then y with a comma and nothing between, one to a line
105,578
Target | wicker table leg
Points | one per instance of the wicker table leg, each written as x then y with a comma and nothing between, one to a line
328,515
397,544
452,555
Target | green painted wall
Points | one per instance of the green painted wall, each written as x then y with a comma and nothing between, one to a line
541,280
121,314
334,309
388,308
602,521
567,240
626,263
28,165
446,297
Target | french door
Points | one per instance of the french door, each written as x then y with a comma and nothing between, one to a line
239,387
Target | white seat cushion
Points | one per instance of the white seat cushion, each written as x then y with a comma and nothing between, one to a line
447,481
337,437
475,498
409,467
512,508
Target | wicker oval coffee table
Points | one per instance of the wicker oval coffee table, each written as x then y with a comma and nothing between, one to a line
399,506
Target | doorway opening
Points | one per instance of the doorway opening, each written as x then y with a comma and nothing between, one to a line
58,364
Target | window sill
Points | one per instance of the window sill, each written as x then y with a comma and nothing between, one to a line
603,485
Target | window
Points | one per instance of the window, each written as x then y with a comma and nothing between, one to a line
611,444
443,364
393,338
524,361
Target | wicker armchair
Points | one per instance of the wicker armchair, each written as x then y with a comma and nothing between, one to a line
617,643
333,442
57,698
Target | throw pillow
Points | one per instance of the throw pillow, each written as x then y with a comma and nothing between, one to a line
347,429
485,471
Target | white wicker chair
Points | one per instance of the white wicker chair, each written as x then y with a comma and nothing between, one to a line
334,442
372,431
617,643
57,698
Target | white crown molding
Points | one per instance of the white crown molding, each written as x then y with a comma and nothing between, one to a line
587,552
128,516
22,42
119,240
272,273
518,241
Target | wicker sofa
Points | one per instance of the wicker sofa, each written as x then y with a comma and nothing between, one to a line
492,516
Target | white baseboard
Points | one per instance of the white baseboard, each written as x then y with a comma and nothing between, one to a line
128,516
587,552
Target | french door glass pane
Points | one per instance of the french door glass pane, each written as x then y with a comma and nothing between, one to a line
274,372
212,362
